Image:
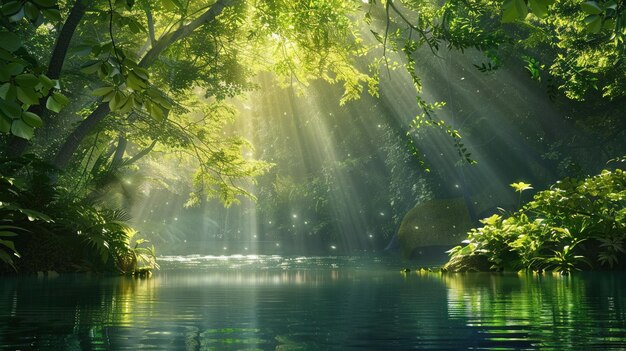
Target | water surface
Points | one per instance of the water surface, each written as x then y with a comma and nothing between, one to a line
311,303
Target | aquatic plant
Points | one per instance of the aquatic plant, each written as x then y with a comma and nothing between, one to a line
573,225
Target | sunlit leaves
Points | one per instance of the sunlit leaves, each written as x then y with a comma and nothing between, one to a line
21,83
547,232
514,10
56,102
521,186
172,5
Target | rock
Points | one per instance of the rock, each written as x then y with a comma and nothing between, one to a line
442,222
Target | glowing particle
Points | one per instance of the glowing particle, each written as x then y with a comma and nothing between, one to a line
416,227
382,213
456,186
306,222
270,222
254,236
225,248
333,247
371,236
277,244
175,218
294,215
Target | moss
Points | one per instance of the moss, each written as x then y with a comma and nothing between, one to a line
434,223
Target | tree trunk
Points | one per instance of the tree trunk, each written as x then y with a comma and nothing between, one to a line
86,126
64,155
119,152
16,145
141,153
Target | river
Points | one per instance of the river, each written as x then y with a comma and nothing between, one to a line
312,303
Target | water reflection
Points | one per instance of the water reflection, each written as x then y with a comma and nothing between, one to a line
548,311
311,304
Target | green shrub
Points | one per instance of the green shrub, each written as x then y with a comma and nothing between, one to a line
45,227
576,224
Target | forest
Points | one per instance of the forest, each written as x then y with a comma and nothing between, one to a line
130,127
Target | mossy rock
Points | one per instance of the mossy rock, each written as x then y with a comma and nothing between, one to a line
443,222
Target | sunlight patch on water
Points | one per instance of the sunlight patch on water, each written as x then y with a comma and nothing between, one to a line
257,263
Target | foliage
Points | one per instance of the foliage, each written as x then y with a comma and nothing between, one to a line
578,44
81,236
574,225
23,83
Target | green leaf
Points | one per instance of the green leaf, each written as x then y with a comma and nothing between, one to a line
91,67
7,259
28,96
171,5
53,105
22,130
378,37
47,82
102,91
521,186
117,101
539,8
9,41
27,80
5,123
32,119
52,14
142,73
36,215
155,111
11,109
135,82
15,68
126,105
11,8
7,234
591,7
4,90
514,10
109,96
594,23
31,11
8,243
60,98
